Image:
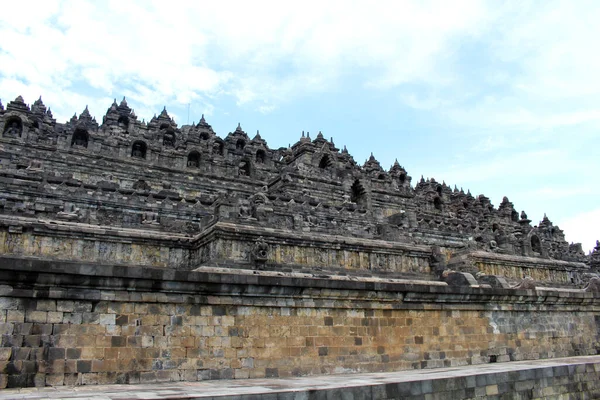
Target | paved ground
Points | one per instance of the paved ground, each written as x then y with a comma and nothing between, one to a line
269,388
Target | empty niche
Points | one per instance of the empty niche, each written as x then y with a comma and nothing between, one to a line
193,160
514,216
536,244
80,138
240,144
358,193
138,149
402,178
123,122
325,162
437,203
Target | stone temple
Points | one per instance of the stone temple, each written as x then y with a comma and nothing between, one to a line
135,251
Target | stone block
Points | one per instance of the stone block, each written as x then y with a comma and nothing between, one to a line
491,390
72,318
55,317
10,303
55,353
55,379
46,305
65,306
118,341
7,328
36,316
5,353
107,319
32,340
15,316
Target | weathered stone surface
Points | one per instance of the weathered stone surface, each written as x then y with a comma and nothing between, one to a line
138,193
140,252
223,323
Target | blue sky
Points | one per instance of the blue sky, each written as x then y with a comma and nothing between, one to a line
501,98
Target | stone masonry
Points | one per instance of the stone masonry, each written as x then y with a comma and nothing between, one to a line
135,251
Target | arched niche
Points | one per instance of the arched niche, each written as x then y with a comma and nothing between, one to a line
325,162
437,203
402,178
358,194
139,149
260,156
80,138
218,147
123,122
141,185
244,168
204,136
514,216
169,138
193,160
13,127
536,244
240,144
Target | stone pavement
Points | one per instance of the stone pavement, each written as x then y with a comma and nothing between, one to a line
538,378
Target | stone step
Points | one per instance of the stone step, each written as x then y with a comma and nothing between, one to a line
571,377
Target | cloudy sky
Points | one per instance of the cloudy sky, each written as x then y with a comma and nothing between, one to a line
502,98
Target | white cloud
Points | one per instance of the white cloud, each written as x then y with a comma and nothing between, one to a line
264,52
582,228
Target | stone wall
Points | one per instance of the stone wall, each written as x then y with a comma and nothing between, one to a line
92,243
543,270
228,244
71,323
